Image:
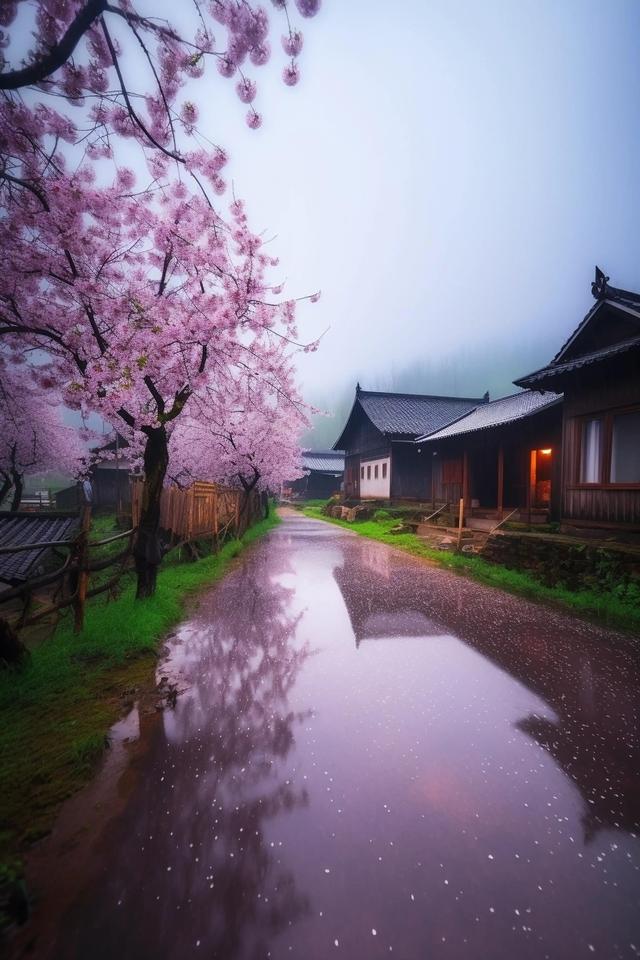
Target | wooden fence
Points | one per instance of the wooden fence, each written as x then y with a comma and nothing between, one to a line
69,584
202,510
205,510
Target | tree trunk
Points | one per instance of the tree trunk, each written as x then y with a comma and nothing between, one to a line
5,486
12,651
243,516
18,487
148,548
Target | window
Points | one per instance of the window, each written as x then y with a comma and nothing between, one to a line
362,473
591,457
625,448
375,472
369,472
384,471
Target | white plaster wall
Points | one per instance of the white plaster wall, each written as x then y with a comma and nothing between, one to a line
372,488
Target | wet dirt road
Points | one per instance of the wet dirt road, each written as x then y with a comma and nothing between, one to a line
374,758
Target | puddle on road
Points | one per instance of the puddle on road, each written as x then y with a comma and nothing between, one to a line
375,758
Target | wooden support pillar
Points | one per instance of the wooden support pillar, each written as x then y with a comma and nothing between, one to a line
433,482
500,498
466,484
531,483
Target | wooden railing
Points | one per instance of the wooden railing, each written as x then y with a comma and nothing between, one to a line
70,583
202,511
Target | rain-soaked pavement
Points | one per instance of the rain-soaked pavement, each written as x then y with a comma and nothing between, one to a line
374,757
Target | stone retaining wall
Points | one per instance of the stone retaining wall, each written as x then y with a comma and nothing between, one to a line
574,565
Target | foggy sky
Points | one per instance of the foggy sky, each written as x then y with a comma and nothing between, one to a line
448,174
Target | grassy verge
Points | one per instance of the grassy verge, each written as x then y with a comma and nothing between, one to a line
605,607
55,713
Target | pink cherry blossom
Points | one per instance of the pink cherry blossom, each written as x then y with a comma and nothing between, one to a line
143,301
246,90
291,74
292,43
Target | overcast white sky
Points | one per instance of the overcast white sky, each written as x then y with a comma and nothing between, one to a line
448,174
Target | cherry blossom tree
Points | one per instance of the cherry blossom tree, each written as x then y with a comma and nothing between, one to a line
140,290
245,430
33,437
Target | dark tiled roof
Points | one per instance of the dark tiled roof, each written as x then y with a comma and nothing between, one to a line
555,369
413,414
35,528
323,461
497,413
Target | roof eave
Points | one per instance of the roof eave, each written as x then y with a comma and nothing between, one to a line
434,438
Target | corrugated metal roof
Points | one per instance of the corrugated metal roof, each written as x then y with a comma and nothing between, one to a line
410,414
554,370
323,461
35,528
497,413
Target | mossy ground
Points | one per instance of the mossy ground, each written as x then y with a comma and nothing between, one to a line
603,606
56,712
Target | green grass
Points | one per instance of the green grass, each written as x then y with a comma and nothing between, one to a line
310,503
55,713
602,606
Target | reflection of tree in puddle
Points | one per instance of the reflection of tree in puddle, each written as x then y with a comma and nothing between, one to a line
590,685
202,871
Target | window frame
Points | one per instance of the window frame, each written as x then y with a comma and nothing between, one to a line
606,416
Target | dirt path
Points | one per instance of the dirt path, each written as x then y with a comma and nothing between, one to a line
373,757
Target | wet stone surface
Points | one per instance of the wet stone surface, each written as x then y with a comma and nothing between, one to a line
376,758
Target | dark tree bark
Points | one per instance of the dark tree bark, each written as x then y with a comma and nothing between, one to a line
59,53
148,549
247,486
5,485
18,487
12,651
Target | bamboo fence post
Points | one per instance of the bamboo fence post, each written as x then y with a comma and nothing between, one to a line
83,571
215,515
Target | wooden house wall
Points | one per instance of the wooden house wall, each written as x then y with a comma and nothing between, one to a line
316,486
517,440
596,390
363,442
351,476
364,439
109,486
410,472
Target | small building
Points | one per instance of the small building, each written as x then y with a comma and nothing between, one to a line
110,475
502,457
598,370
382,461
323,474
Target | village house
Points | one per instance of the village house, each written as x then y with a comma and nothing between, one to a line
323,473
382,461
565,448
502,458
598,370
